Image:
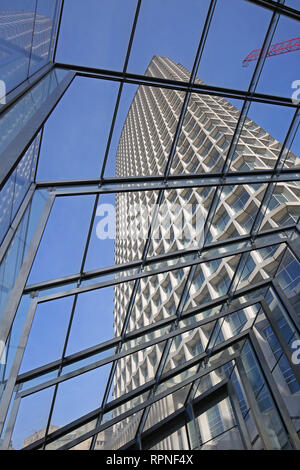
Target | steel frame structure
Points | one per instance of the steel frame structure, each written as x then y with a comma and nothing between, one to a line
147,266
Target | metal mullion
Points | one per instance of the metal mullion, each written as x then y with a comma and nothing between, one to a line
88,238
176,182
111,131
204,35
252,88
165,353
58,29
288,141
215,393
240,123
188,91
265,47
143,274
293,245
137,408
60,368
15,296
38,154
129,47
175,85
281,8
69,279
11,381
27,376
25,87
11,422
16,222
229,295
32,37
276,171
109,382
134,181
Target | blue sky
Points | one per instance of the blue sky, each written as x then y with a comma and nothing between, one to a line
96,33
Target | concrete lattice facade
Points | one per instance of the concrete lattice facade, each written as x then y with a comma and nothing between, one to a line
202,147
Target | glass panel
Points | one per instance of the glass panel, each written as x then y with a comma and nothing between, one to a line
258,265
18,115
117,238
136,369
107,23
80,395
170,30
279,61
226,47
15,254
88,361
62,246
288,276
25,172
157,298
265,403
179,221
236,211
15,189
208,127
119,434
213,423
44,33
293,156
261,139
72,436
12,343
16,27
32,419
47,334
143,137
228,440
165,407
93,320
69,137
178,440
282,206
39,380
6,203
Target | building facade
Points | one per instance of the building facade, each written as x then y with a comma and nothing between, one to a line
202,286
202,146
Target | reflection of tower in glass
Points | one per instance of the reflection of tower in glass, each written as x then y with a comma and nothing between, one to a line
26,40
202,147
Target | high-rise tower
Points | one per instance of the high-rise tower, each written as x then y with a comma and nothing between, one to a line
202,147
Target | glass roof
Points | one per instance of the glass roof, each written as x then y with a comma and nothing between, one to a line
172,233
